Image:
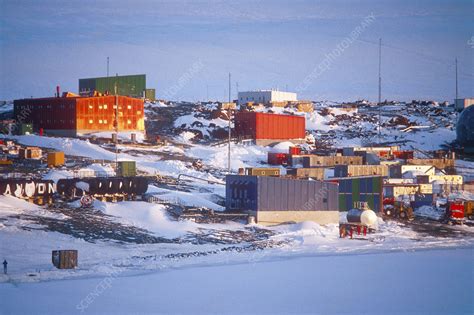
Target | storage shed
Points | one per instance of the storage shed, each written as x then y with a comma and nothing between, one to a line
275,200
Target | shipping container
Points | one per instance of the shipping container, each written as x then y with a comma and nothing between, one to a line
55,159
277,199
150,94
296,160
30,153
261,171
25,129
313,172
469,209
360,170
355,189
126,168
255,125
438,163
404,155
277,158
316,160
295,150
65,259
127,85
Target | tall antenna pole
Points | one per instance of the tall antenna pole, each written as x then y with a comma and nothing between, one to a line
107,67
380,86
456,77
229,113
116,124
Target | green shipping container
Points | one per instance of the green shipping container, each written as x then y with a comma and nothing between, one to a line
150,94
24,129
354,189
126,168
127,85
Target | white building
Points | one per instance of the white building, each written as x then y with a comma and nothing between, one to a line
266,96
461,103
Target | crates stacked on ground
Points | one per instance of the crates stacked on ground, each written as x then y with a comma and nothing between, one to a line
267,128
364,188
55,159
274,200
126,168
360,170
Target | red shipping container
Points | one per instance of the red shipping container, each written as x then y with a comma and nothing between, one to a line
277,158
295,150
404,155
269,126
456,210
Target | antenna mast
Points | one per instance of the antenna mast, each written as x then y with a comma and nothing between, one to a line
456,61
380,86
116,124
229,113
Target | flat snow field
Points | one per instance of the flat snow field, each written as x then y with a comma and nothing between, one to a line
420,282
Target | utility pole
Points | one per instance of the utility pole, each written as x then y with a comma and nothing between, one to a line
116,125
456,61
107,67
229,113
380,87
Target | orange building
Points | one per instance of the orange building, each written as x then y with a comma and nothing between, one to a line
73,116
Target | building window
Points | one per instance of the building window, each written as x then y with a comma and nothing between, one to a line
100,121
90,106
129,106
105,106
105,121
129,121
91,121
100,106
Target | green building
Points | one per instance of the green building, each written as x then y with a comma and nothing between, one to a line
127,85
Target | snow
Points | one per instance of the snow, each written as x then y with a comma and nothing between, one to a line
151,217
397,283
429,212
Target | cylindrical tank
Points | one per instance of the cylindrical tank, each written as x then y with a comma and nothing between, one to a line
365,217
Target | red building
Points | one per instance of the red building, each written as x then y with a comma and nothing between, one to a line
72,116
267,128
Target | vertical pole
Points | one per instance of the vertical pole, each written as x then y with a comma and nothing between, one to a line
380,87
116,126
456,78
107,67
229,113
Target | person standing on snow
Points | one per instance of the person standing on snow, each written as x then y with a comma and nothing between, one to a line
5,266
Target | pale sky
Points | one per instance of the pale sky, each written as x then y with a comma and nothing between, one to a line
189,47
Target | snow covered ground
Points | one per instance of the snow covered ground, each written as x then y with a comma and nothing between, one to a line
146,261
420,282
